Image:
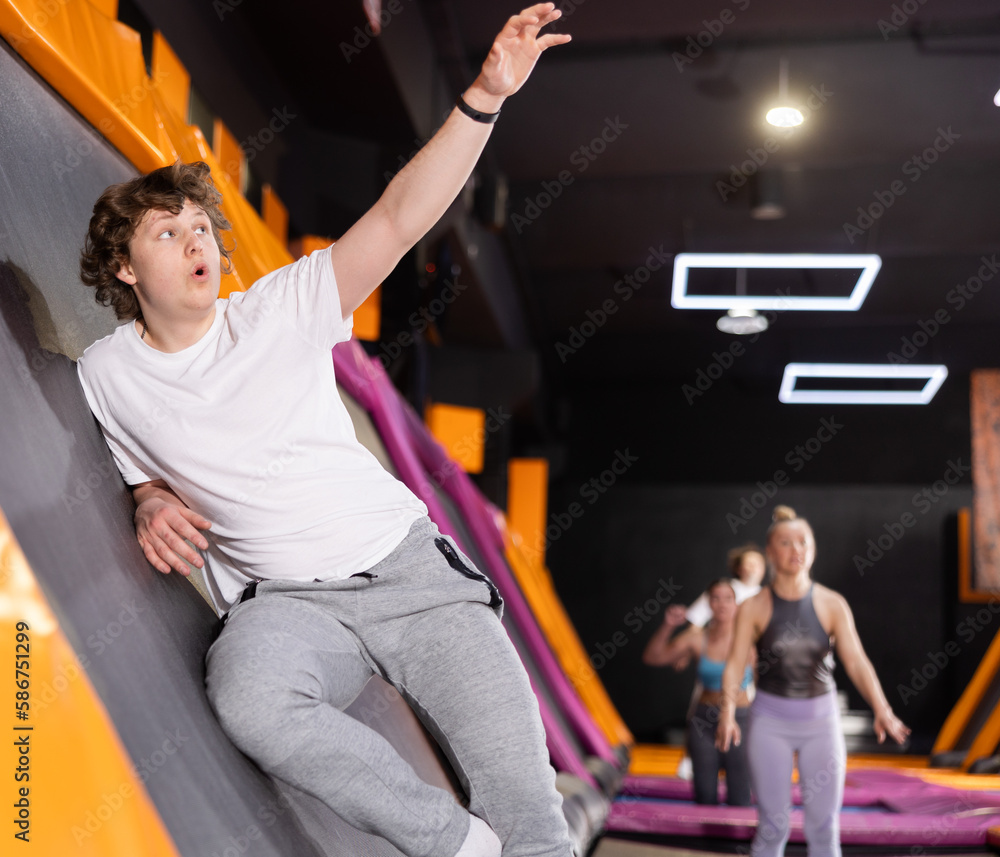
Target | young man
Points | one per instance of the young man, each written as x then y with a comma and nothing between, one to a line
223,416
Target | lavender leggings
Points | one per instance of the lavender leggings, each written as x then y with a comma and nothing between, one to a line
780,727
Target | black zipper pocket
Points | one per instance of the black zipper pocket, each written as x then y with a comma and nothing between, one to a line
455,561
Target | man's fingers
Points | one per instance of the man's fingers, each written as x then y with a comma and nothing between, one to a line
171,551
531,20
551,39
192,524
154,558
177,545
187,526
516,25
196,519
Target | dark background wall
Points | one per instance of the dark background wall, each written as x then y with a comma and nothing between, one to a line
693,482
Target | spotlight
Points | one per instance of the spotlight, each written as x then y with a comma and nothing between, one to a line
784,115
742,322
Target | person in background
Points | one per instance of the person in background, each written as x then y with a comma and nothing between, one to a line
709,646
795,624
746,566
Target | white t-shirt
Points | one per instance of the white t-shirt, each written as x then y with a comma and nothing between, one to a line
247,427
699,612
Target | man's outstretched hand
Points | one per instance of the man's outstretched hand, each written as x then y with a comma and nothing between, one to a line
517,48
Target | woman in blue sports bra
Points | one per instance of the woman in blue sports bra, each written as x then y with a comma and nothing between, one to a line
709,646
795,624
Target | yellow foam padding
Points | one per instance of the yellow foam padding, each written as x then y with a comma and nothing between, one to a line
986,741
527,504
540,593
108,7
655,760
966,782
971,698
81,793
368,317
461,431
96,64
171,78
226,149
274,212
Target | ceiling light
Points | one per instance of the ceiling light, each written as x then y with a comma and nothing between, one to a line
742,322
683,262
933,374
784,115
996,98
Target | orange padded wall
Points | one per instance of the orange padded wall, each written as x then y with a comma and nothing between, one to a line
170,77
527,504
275,215
461,431
227,151
78,790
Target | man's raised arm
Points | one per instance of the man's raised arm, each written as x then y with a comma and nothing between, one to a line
422,191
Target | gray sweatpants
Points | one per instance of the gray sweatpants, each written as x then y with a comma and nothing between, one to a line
289,660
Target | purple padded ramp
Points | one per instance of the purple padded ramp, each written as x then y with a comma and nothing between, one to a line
367,382
481,518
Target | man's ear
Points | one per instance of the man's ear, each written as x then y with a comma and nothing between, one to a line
125,273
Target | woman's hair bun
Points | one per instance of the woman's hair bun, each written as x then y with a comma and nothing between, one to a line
783,513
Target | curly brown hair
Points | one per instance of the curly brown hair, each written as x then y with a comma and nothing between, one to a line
120,210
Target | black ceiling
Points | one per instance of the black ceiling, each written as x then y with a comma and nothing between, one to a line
899,104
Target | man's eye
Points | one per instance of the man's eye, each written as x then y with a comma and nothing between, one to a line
166,232
201,229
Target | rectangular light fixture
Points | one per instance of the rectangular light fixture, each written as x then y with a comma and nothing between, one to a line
680,299
933,374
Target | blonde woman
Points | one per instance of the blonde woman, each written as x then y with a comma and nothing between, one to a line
795,625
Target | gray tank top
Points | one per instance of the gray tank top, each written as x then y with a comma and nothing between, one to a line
794,654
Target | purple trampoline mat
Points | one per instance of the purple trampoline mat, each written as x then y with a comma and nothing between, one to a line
864,787
856,828
668,788
912,812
